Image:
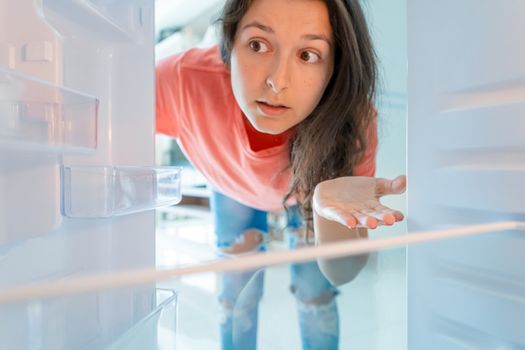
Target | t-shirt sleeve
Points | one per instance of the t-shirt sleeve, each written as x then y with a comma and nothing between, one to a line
168,104
367,167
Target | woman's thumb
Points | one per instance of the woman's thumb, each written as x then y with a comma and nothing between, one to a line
399,184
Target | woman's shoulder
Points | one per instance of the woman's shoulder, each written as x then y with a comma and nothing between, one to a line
198,59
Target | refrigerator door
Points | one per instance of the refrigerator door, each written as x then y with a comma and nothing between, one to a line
76,165
466,164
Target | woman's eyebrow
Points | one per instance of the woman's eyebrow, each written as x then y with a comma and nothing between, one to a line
268,29
258,25
317,37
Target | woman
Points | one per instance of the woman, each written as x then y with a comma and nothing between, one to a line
281,115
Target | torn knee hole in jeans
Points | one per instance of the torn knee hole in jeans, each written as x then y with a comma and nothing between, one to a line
325,298
226,311
248,241
240,316
320,313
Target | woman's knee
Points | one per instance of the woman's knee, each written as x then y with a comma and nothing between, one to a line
319,317
314,299
250,240
239,296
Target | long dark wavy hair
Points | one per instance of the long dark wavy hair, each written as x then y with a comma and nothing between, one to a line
332,140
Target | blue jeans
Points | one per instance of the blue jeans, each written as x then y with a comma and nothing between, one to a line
240,292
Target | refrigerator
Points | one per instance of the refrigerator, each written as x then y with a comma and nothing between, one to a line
77,165
78,180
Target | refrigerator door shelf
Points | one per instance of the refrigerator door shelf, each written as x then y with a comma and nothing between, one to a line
157,327
107,191
107,20
36,115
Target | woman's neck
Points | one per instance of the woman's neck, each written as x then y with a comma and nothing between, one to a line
260,141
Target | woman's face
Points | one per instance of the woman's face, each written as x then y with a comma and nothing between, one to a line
281,61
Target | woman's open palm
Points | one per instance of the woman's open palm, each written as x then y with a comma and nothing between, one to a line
354,201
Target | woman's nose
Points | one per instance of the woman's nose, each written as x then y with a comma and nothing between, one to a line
279,77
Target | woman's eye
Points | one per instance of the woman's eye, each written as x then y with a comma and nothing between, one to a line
309,56
258,46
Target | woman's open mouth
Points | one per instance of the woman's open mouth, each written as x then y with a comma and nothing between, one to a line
271,109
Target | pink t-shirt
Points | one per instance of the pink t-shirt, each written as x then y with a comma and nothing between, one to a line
195,104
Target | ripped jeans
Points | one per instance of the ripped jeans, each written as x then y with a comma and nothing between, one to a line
240,292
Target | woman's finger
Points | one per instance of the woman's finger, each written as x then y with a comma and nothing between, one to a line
343,216
386,186
396,213
390,216
366,220
373,213
351,222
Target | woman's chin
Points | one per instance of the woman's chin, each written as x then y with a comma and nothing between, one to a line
269,126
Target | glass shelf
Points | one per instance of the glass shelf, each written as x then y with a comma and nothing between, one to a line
40,116
159,326
106,191
372,306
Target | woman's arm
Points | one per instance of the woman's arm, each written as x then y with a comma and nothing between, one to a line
340,270
343,209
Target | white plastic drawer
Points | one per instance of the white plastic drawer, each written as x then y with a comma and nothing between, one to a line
106,191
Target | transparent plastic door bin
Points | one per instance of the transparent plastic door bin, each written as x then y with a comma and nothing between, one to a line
42,116
155,331
106,191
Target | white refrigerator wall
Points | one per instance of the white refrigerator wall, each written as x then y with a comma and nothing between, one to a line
86,66
466,164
